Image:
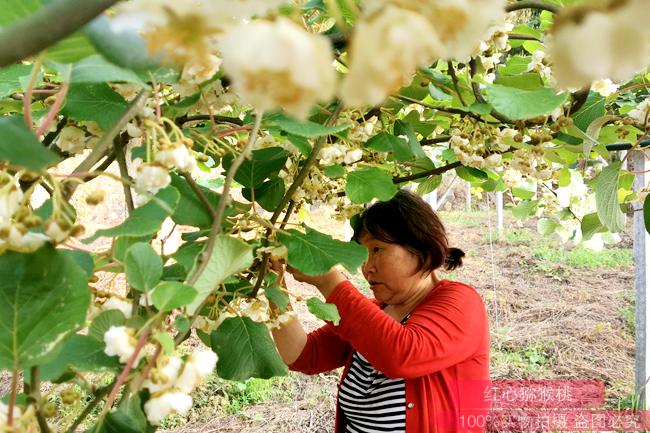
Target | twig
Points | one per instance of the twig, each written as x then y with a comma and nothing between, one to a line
298,180
434,107
532,4
36,399
27,98
521,37
441,139
12,397
125,372
102,147
124,172
200,117
58,103
477,94
98,394
45,27
225,197
454,80
148,367
202,198
427,173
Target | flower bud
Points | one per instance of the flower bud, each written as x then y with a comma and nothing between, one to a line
95,197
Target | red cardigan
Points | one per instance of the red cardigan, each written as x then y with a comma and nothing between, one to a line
442,352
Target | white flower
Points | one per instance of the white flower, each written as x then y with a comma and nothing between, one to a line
4,413
133,130
200,70
151,178
197,367
460,24
604,87
278,64
353,156
26,242
493,160
490,77
491,62
115,303
158,407
120,342
536,63
257,310
385,50
557,113
178,155
640,113
182,31
332,154
588,45
10,197
72,140
54,231
165,376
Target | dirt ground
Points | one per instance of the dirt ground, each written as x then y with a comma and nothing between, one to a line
549,320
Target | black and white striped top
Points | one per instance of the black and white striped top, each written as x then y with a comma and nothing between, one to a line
370,401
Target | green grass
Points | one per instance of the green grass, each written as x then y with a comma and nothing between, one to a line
467,219
585,258
531,358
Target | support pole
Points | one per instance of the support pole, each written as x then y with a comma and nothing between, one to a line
499,206
468,196
641,246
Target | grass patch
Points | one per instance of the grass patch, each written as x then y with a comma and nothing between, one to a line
467,219
586,258
531,358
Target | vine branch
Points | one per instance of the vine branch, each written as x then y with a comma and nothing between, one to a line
454,80
124,172
45,27
479,97
199,194
532,4
438,170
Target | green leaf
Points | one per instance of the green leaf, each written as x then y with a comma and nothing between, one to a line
524,81
606,188
127,49
181,107
127,418
145,220
414,147
383,142
103,322
245,350
525,191
19,146
10,78
367,183
301,143
593,108
43,298
315,253
82,352
15,10
166,342
263,164
334,171
95,69
323,311
518,104
143,266
190,210
121,245
546,226
591,225
96,102
278,297
524,209
438,94
471,174
71,49
304,129
229,256
268,195
429,185
169,295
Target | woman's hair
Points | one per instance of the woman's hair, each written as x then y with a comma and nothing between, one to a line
407,220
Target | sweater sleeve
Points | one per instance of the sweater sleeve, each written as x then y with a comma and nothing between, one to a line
324,351
445,329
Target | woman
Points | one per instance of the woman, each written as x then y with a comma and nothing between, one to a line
417,357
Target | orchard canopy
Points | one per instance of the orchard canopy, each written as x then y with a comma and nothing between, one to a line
228,116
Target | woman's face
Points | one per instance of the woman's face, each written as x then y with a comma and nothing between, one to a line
391,271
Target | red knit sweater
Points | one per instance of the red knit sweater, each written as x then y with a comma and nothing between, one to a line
442,352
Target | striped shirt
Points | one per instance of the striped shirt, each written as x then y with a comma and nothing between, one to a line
370,401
